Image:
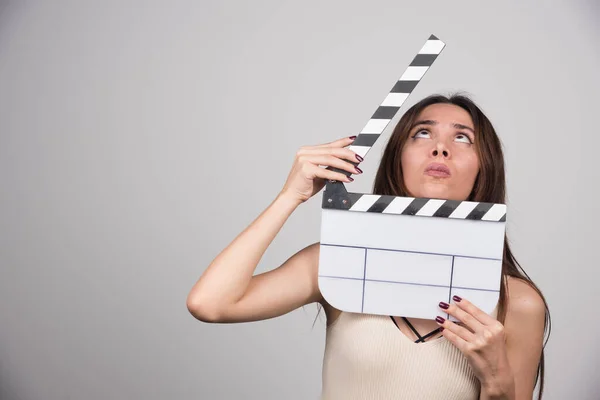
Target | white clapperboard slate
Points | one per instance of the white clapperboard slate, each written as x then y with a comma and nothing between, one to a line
401,256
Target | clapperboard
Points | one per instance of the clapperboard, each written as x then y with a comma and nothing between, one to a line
401,256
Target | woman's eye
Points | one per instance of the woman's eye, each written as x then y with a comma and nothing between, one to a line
465,138
422,131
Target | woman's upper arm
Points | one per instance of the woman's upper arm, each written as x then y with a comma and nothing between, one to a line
524,327
276,292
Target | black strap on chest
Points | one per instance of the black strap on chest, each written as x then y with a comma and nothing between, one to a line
412,328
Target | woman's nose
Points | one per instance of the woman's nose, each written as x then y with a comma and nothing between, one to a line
440,149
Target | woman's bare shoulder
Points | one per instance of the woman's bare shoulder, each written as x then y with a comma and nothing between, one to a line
523,298
526,309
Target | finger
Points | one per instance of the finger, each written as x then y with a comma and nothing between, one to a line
476,312
342,142
342,153
455,339
328,160
470,321
315,171
456,329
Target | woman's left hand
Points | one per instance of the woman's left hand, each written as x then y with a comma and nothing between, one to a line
482,341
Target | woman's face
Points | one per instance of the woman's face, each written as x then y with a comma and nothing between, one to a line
443,135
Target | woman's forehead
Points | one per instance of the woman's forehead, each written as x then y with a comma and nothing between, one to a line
446,113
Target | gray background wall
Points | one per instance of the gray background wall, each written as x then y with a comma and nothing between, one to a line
138,138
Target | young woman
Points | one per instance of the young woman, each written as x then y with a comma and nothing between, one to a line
498,356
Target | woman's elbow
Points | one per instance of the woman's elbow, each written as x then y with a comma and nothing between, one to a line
203,310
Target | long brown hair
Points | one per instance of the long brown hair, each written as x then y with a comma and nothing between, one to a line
489,186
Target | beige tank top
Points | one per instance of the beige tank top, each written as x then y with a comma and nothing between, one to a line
368,357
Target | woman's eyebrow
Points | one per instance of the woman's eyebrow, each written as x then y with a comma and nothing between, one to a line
433,122
461,126
424,122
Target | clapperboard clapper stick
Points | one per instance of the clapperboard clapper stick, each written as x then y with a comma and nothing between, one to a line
391,255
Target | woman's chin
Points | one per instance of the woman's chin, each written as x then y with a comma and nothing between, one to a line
435,192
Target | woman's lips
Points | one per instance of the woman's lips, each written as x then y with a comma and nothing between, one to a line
438,169
433,172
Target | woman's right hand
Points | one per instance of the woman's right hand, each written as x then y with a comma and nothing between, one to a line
307,177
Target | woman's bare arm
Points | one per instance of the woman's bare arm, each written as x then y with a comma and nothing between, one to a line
227,291
524,328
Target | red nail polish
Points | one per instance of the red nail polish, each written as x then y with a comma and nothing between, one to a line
352,137
440,320
456,298
358,170
359,158
351,179
444,305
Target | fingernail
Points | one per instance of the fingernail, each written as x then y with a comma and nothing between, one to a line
456,298
359,158
352,137
444,305
358,170
351,179
440,320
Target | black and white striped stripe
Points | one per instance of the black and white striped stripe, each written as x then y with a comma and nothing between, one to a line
397,96
422,207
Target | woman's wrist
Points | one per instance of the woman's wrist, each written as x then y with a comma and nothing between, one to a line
501,387
287,200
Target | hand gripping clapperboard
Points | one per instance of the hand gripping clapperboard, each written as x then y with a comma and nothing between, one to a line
401,256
